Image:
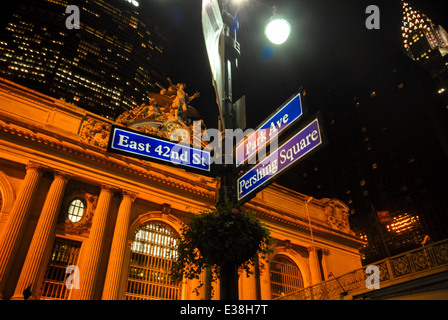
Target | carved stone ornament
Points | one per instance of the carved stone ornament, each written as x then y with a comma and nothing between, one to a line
83,225
336,214
95,132
166,209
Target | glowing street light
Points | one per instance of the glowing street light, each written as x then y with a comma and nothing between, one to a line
278,29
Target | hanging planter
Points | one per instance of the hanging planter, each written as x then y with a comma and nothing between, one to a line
221,236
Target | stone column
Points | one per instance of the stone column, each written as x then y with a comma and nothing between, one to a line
115,265
90,255
43,237
17,219
257,277
314,265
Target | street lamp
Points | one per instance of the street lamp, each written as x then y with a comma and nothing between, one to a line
278,29
229,57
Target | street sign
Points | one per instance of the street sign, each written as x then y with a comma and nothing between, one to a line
278,122
143,146
258,177
213,30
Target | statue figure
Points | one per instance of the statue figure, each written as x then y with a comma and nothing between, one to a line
126,116
144,112
171,91
181,101
163,112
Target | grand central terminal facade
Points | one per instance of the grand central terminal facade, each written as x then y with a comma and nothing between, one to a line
70,210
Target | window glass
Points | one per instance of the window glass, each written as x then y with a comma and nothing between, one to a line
153,252
285,276
76,210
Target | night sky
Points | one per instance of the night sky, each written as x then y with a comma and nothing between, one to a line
329,49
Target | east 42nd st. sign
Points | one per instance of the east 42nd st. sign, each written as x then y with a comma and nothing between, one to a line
147,147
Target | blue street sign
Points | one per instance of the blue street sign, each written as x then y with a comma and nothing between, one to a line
282,118
279,160
147,147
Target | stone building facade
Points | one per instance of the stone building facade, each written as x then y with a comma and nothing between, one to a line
77,222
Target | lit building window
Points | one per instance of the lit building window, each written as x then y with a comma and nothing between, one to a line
65,253
404,223
76,210
152,254
285,276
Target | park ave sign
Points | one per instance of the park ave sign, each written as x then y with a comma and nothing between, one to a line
279,121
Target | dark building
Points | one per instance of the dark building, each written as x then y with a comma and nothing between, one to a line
386,151
106,66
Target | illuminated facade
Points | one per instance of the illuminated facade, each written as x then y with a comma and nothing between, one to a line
106,66
69,207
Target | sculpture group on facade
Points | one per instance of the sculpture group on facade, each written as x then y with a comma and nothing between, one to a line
95,132
164,113
336,214
170,103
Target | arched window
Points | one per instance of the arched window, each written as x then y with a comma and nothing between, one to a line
65,253
76,210
285,276
152,254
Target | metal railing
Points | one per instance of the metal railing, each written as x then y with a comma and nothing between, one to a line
414,263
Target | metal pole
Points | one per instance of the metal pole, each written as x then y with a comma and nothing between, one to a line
309,222
379,229
228,273
315,259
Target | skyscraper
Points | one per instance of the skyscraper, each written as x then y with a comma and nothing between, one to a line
106,66
426,43
387,151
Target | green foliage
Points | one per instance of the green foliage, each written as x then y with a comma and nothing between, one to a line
220,236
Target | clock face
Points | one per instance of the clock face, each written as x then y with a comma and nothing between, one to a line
180,135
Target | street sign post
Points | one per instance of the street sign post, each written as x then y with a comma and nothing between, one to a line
259,176
213,30
143,146
278,122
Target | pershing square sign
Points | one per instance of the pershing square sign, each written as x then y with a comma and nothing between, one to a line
308,139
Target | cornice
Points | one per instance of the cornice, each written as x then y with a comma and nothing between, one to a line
87,154
271,214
